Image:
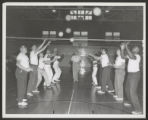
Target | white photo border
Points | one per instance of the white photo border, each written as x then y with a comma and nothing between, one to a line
4,115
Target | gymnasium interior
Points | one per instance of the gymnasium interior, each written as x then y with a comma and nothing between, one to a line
71,28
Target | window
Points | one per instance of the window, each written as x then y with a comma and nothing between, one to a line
116,35
84,33
81,14
45,32
80,34
108,35
52,33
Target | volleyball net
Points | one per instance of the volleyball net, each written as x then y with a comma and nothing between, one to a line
72,39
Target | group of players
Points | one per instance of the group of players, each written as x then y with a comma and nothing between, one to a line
44,65
131,70
37,68
128,74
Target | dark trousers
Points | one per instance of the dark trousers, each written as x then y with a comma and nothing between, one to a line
99,75
105,79
119,80
131,89
21,77
75,70
33,78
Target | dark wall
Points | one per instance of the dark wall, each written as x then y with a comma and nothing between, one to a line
33,28
15,26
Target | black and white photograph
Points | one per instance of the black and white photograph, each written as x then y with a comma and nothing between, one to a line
74,60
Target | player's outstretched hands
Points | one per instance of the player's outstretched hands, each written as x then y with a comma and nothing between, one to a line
122,46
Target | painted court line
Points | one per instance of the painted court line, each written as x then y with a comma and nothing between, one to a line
70,101
81,101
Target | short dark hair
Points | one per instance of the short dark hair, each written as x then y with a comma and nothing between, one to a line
23,46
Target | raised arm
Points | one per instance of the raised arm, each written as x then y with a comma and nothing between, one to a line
122,46
129,52
41,45
42,49
95,57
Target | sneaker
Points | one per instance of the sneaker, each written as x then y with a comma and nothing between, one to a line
127,104
22,103
136,112
115,96
36,91
110,91
29,94
119,99
100,92
24,100
98,87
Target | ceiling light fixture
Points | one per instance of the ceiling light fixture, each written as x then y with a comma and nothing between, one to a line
53,10
107,11
97,11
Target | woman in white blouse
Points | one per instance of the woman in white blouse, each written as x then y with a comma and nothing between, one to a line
56,66
34,64
119,76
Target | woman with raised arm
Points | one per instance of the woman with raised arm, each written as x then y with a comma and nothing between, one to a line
133,77
34,64
41,71
22,63
119,76
48,60
94,71
105,63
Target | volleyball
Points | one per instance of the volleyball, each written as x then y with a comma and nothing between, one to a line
71,39
97,11
68,30
60,34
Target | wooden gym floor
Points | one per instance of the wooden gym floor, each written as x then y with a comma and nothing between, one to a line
66,97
